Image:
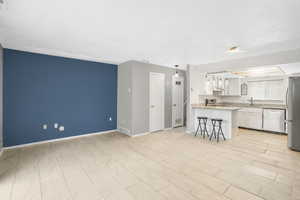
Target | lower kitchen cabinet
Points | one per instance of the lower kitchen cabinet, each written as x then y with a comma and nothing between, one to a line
266,119
250,118
273,120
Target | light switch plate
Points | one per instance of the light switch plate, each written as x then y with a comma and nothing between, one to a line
56,125
45,126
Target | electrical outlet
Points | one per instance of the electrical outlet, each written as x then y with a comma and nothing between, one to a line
61,128
45,126
56,125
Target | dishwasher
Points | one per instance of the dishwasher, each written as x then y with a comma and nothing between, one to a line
274,120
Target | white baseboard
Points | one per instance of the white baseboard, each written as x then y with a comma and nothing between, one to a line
124,131
60,139
140,134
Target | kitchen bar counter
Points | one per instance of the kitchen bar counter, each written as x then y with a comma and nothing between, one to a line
228,114
218,107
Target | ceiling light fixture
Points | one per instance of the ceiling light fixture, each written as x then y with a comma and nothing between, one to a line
233,49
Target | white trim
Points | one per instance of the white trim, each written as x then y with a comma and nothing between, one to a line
146,133
124,130
136,135
163,100
182,106
121,130
140,134
60,139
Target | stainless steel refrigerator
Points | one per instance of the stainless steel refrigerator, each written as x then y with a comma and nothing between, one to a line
293,113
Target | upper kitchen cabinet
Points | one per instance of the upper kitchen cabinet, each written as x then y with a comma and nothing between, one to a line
212,83
232,87
207,84
273,90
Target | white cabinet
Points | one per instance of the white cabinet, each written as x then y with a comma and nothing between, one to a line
256,89
210,85
274,90
250,118
232,87
266,89
262,119
214,83
274,120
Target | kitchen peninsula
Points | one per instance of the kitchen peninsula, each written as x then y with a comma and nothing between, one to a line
228,114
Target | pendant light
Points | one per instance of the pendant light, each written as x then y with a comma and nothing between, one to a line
176,72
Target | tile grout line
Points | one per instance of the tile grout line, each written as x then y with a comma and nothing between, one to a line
226,189
159,146
64,177
40,181
15,176
251,192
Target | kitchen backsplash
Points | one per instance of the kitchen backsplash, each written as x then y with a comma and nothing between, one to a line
242,99
245,99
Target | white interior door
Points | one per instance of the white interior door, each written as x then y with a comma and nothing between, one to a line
157,101
177,101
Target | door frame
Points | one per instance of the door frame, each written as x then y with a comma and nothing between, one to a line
173,122
163,100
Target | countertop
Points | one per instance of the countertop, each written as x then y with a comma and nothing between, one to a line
236,106
245,105
229,108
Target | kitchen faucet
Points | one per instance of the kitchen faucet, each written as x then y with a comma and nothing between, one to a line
251,101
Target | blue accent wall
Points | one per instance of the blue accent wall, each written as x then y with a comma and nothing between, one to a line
42,89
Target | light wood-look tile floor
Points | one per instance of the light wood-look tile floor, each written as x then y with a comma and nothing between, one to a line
169,165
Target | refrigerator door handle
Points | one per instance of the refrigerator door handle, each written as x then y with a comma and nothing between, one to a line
286,97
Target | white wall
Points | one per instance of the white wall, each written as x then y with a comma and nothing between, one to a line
137,79
291,68
124,108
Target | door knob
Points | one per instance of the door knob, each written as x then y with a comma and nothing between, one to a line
152,106
174,105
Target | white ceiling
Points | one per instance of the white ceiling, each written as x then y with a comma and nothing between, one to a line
164,32
291,68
